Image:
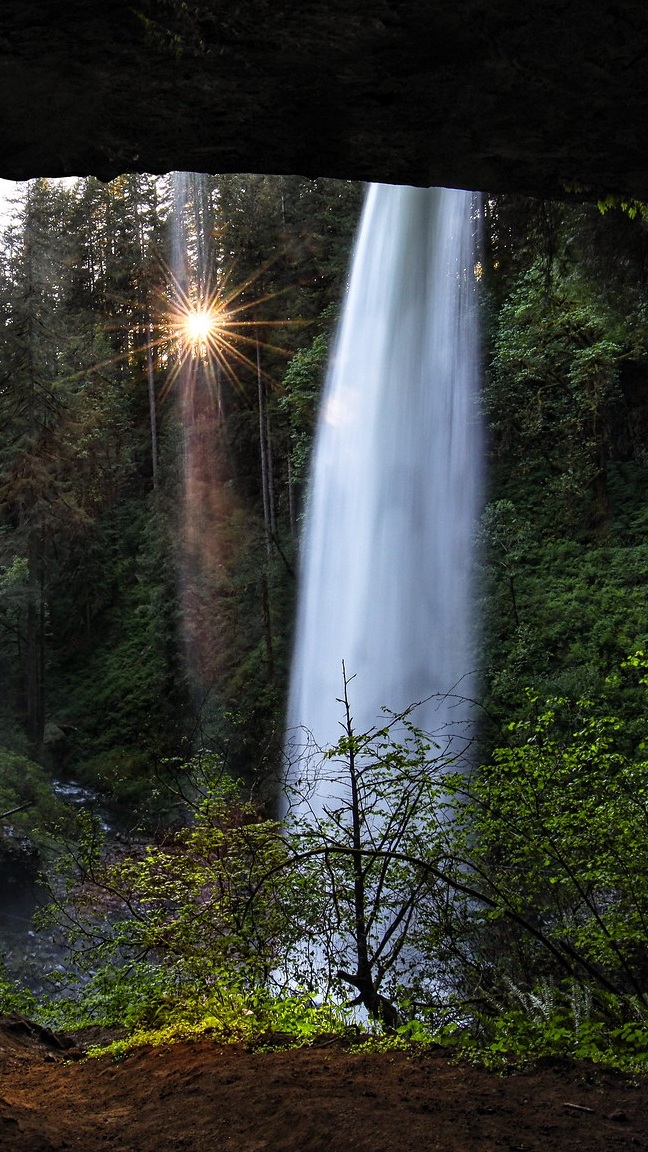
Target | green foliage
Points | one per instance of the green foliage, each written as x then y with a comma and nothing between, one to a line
564,533
34,818
15,998
116,996
557,1021
505,910
189,902
539,872
229,1016
555,376
561,614
633,208
302,385
90,540
552,835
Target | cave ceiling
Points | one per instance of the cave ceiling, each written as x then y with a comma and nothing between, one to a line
548,98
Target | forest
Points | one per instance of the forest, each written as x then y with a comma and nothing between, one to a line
146,614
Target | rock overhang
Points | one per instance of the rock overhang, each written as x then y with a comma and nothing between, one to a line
547,99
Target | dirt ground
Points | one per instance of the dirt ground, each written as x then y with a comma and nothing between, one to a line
324,1098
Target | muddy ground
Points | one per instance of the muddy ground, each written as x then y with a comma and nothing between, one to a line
205,1098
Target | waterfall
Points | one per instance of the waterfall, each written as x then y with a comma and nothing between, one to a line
386,566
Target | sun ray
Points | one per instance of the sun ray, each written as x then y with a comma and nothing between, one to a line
208,320
204,320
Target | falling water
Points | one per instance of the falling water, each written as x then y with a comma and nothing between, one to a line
396,479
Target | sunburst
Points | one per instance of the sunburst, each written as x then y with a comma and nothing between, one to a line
199,327
213,327
215,332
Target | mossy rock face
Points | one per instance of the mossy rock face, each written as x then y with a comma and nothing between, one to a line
462,93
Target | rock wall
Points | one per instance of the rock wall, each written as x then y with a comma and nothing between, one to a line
546,98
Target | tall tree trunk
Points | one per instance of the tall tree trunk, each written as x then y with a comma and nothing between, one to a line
263,447
267,626
292,516
34,661
151,397
147,329
271,484
34,651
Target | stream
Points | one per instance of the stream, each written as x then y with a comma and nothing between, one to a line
36,955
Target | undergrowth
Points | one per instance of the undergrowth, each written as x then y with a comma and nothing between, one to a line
520,1036
153,1007
231,1017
